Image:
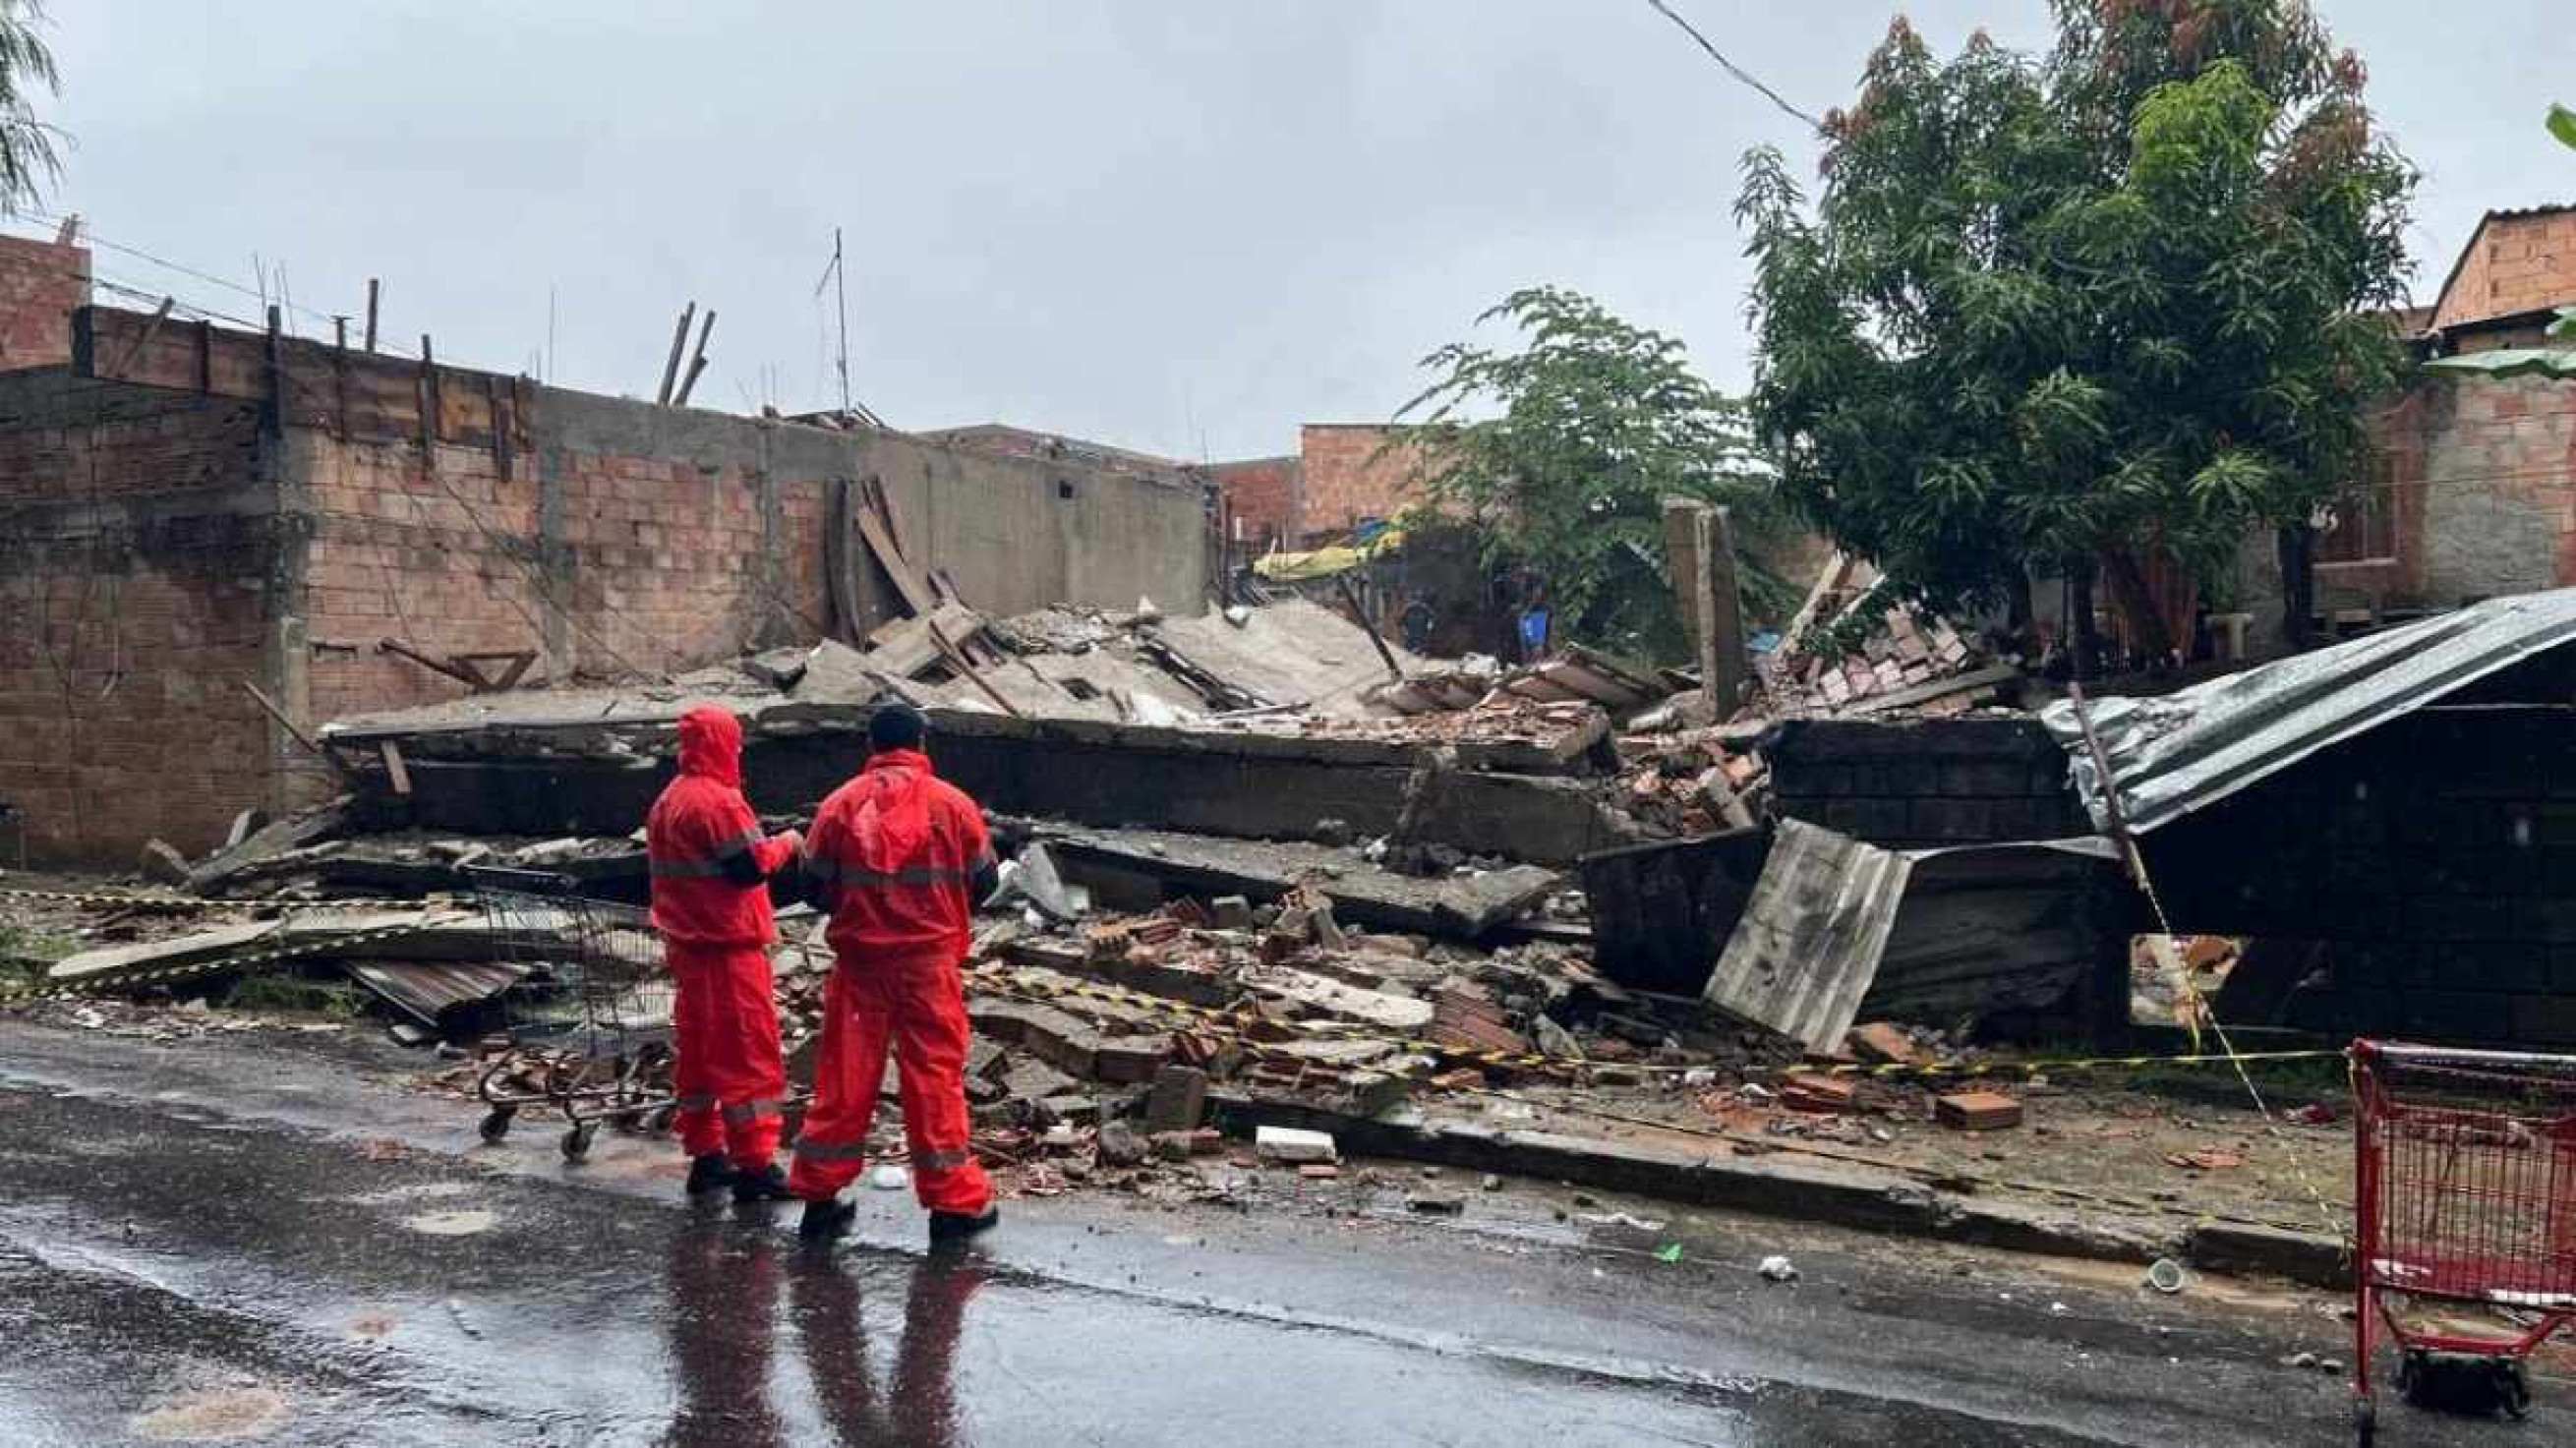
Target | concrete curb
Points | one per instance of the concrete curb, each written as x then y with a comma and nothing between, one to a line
1796,1190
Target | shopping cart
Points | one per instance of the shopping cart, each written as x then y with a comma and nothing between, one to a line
589,1027
2465,1192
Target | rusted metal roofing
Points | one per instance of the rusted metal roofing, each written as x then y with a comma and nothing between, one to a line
426,990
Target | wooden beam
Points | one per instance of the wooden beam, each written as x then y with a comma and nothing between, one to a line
394,770
918,596
671,365
135,348
697,360
294,729
963,665
1360,616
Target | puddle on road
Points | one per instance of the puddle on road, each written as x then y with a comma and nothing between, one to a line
216,1415
463,1223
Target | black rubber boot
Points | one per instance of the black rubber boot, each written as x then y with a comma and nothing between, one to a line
947,1228
825,1221
769,1184
709,1173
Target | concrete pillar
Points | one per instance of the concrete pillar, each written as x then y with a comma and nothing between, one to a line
1699,546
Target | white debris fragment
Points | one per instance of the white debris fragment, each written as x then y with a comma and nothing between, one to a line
888,1177
1778,1269
1288,1144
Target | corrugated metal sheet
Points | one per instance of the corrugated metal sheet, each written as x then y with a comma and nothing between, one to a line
2511,362
2170,756
1808,946
425,990
1921,935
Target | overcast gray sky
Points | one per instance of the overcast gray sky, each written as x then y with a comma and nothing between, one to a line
1178,225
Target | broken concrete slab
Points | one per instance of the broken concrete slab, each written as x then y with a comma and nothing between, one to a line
577,776
1324,995
296,831
1138,869
379,934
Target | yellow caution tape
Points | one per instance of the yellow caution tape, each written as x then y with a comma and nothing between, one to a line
106,899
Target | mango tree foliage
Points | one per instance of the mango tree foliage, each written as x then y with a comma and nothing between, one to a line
2118,303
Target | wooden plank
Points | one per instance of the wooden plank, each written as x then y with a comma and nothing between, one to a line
394,770
697,362
918,597
966,666
905,542
671,366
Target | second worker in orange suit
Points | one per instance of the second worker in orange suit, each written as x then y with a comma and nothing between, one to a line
899,857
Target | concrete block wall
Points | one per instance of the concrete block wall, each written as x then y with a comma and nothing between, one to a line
136,544
2432,860
1913,784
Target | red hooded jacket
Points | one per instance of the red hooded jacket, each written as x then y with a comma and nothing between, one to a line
697,836
895,853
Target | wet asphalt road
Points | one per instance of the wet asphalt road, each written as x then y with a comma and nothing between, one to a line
233,1242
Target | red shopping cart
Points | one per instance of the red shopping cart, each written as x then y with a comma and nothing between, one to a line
2464,1193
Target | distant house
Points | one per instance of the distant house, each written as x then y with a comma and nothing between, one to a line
1344,474
2469,488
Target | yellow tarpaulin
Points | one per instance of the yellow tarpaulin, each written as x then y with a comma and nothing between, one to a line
1325,562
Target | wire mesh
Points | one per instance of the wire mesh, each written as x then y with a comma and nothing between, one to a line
2468,1176
595,981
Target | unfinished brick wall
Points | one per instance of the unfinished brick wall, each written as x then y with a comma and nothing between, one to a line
1266,499
134,575
40,284
2514,264
1351,474
2432,860
1916,784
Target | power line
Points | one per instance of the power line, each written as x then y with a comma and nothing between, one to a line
1737,71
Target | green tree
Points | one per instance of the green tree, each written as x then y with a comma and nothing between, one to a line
1560,452
29,159
2110,304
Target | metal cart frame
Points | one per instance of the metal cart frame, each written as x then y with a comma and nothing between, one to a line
2464,1191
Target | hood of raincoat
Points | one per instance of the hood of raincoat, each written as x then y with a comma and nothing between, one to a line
711,745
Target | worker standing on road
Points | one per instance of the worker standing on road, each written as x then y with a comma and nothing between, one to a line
899,857
711,869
